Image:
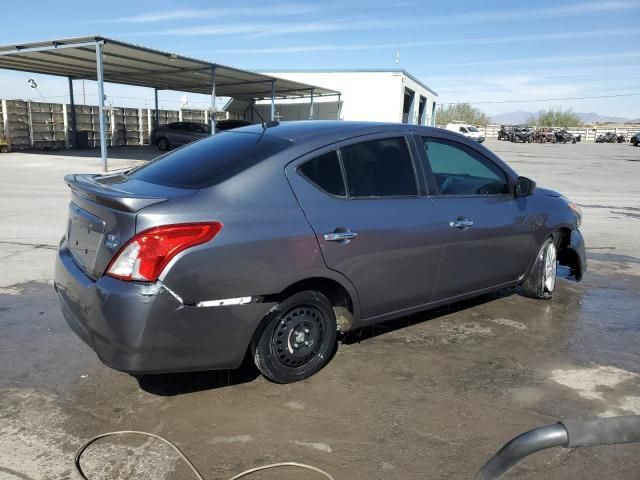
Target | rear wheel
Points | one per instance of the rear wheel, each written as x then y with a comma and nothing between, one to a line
541,281
297,338
163,144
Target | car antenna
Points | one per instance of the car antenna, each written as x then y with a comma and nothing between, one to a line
265,124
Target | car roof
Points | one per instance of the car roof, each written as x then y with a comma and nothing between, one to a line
297,131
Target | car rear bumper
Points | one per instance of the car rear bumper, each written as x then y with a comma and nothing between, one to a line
144,328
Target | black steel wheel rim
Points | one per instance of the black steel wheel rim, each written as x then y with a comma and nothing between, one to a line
298,336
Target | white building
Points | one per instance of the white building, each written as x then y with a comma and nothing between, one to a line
371,95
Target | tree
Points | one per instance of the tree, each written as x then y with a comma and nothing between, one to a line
555,117
461,112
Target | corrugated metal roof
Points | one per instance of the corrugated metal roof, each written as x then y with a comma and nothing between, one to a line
131,64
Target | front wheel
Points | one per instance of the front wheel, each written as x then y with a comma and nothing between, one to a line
163,144
297,338
541,281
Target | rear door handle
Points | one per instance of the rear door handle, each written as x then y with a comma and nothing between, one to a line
340,236
461,223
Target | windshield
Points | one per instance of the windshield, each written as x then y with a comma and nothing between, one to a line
472,129
209,161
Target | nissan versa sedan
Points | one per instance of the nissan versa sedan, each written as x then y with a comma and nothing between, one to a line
270,239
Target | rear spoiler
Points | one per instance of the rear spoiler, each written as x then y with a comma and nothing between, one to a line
86,186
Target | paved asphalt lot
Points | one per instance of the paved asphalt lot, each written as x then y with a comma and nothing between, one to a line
429,397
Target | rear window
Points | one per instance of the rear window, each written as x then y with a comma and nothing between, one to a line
209,161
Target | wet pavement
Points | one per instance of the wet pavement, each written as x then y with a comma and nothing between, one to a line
429,396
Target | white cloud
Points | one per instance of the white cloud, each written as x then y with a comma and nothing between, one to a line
353,24
199,14
564,59
272,28
621,72
452,41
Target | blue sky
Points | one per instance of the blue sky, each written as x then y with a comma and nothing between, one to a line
465,50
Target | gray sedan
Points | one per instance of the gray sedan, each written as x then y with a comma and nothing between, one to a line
271,239
177,134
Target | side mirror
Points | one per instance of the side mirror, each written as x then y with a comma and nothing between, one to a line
524,187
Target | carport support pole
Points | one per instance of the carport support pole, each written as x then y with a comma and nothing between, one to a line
72,104
311,106
339,108
273,100
103,126
156,113
213,100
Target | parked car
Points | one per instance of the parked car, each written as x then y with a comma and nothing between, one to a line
522,133
635,140
505,132
611,137
268,241
564,136
544,135
177,134
468,131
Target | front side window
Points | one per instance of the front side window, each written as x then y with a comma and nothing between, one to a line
379,168
459,170
463,130
324,171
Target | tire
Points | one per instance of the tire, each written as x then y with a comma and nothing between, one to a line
297,338
163,144
4,149
541,280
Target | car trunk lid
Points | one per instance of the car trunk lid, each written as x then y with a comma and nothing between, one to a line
102,215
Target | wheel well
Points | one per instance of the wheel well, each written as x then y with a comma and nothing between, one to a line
334,291
566,256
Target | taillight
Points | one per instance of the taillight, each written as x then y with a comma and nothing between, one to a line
144,256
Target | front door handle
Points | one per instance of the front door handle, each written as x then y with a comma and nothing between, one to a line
340,236
461,223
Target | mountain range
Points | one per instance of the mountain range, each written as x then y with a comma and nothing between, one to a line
513,118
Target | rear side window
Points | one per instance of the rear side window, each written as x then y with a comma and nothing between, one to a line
458,170
379,168
209,161
325,172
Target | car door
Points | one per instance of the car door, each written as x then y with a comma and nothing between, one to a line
198,131
487,233
180,134
364,203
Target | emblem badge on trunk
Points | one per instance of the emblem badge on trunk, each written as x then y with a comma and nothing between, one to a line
111,241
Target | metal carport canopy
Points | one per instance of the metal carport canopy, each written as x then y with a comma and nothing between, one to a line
108,60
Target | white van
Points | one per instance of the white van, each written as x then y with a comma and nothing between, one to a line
467,130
